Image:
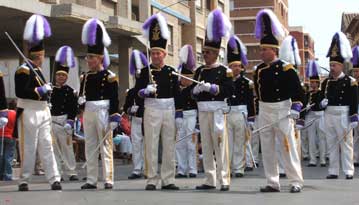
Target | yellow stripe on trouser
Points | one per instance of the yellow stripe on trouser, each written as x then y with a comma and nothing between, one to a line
226,148
22,142
110,151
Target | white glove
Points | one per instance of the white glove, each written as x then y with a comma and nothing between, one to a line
205,87
113,125
179,123
197,89
150,89
68,128
47,87
3,121
294,114
353,125
324,103
134,108
81,100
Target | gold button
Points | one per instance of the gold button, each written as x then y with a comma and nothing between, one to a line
342,91
277,90
101,97
102,84
276,73
278,98
276,66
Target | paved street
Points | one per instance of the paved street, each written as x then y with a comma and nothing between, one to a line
317,190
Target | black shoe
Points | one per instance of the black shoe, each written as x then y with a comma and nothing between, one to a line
108,186
135,176
170,187
268,189
356,164
23,187
323,165
56,186
282,175
224,188
238,175
257,165
311,165
191,175
305,158
178,176
205,187
73,178
150,187
348,176
248,169
62,179
88,186
332,176
295,189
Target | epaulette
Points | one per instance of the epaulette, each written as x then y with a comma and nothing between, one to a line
1,75
353,81
287,66
229,72
23,69
111,77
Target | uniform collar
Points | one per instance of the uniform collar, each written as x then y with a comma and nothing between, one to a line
214,65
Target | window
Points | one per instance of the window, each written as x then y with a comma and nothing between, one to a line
221,5
170,40
243,27
231,5
199,4
208,5
306,42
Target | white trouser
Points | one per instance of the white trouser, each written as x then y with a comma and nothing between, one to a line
34,129
336,126
159,122
214,138
63,149
186,148
137,144
96,128
316,136
237,141
356,144
305,143
283,131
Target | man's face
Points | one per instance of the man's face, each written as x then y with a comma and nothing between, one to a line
186,82
94,62
157,57
267,54
336,68
210,56
61,78
236,68
355,73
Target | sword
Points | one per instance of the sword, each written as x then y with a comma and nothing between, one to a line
25,59
195,132
185,77
248,132
98,146
280,119
339,141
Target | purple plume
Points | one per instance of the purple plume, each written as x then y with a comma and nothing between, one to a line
191,64
34,36
275,25
132,64
63,55
232,42
355,59
91,33
47,28
148,22
244,59
218,25
143,60
312,69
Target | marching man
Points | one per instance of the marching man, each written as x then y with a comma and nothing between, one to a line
340,93
280,99
99,94
134,107
33,113
159,88
63,112
242,106
216,85
3,104
355,74
186,140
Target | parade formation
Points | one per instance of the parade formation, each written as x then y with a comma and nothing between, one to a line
178,113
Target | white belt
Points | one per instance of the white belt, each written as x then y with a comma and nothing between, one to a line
276,106
239,108
211,106
316,113
61,119
32,104
160,103
189,113
94,106
337,109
